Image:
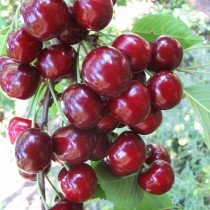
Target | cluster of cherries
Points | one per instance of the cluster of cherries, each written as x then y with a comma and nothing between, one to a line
114,94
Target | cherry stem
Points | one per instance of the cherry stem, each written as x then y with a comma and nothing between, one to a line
54,188
57,103
146,166
84,47
78,66
66,166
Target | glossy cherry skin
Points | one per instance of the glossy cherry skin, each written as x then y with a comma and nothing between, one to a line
4,61
157,152
136,49
102,144
139,76
93,14
107,71
133,106
167,53
150,124
62,173
33,150
22,47
72,145
16,126
127,154
158,179
165,89
19,81
57,61
42,19
64,204
73,32
82,106
79,184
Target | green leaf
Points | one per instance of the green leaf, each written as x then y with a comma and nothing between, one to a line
125,193
2,44
152,26
199,98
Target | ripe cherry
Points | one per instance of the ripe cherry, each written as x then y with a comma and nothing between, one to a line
16,126
136,49
93,14
42,19
73,32
165,89
19,81
72,145
158,178
64,204
157,152
33,150
127,154
150,124
79,184
82,106
62,173
139,76
4,61
22,47
57,61
107,71
167,53
102,144
133,106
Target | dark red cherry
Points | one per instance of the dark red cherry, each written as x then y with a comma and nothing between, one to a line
93,14
82,106
72,145
167,53
157,152
127,154
64,204
79,184
121,125
16,126
139,76
19,81
133,106
57,61
44,19
73,32
62,173
158,178
136,49
33,150
107,71
150,124
22,47
165,89
102,144
4,61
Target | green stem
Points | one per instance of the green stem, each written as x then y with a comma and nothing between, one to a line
78,66
146,166
54,188
84,47
66,166
105,35
196,48
57,103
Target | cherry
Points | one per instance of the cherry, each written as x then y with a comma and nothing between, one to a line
73,33
33,150
62,173
165,89
157,152
139,76
167,53
93,14
102,144
82,106
66,205
136,49
107,71
16,126
127,154
22,47
133,106
57,61
19,81
79,184
4,61
72,145
42,19
150,124
158,178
